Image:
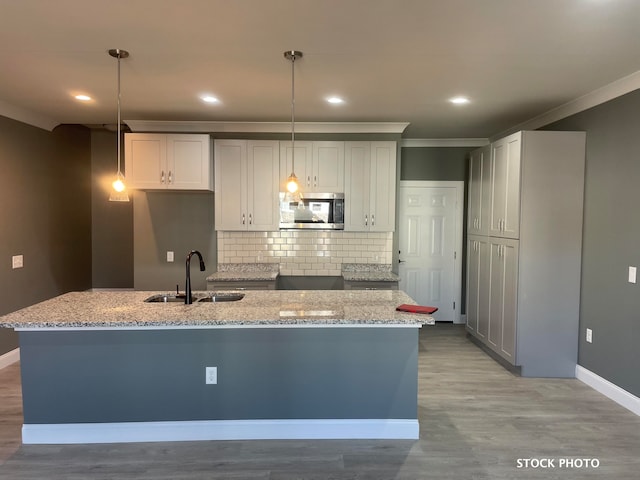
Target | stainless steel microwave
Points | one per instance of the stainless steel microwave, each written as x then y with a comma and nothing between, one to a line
320,211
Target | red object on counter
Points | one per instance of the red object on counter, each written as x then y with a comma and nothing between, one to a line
405,307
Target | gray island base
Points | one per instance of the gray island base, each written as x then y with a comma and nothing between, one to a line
102,367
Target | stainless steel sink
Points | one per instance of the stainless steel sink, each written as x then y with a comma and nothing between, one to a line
197,297
222,297
165,298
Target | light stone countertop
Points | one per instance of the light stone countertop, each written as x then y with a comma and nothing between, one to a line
259,308
239,272
368,272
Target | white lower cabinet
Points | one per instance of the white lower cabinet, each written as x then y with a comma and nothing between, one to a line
503,294
478,260
246,179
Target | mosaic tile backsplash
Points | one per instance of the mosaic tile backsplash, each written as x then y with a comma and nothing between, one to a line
305,252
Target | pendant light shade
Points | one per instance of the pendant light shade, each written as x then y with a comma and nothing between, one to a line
293,187
118,191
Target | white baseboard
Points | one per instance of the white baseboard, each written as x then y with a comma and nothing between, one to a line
219,430
9,358
608,389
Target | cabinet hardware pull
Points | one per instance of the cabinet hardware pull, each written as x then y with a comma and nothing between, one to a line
315,180
162,176
373,220
366,220
308,181
170,178
250,219
243,218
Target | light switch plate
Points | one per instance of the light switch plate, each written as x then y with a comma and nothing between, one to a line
632,274
589,335
169,256
211,375
17,261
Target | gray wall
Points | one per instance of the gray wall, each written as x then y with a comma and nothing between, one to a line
263,373
177,222
45,193
611,239
435,163
111,222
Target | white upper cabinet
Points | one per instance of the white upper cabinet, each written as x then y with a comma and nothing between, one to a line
246,175
168,161
479,190
504,218
370,186
319,166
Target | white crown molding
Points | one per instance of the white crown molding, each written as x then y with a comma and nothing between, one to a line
443,142
599,96
26,116
265,127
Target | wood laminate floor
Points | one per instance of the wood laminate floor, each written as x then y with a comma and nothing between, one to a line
476,421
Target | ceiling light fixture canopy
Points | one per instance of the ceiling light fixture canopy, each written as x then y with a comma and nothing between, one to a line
119,191
292,182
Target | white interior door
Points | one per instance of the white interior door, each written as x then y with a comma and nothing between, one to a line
430,244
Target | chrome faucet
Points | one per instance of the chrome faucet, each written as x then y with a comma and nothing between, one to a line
188,296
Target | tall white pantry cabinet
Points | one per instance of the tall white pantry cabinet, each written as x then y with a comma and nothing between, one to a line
524,248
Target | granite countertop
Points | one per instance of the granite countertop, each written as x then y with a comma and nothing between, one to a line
368,272
239,272
122,309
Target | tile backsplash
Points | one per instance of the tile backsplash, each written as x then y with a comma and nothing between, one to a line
305,252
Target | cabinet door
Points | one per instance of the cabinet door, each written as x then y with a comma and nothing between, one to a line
505,187
189,162
303,164
473,282
503,297
231,186
145,161
382,187
356,191
484,287
262,185
479,170
510,302
327,174
478,286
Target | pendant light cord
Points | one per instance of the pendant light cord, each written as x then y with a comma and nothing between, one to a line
119,148
293,114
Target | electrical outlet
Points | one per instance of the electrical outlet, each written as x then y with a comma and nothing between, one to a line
589,336
211,375
169,256
17,261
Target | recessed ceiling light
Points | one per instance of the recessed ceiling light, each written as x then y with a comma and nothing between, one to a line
82,98
459,100
335,100
210,99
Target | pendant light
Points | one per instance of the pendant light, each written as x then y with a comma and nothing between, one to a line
292,182
118,188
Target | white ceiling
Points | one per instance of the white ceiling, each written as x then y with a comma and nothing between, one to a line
392,60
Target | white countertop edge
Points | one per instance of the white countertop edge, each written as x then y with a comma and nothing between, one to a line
207,327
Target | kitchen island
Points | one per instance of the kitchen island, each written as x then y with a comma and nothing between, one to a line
102,367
